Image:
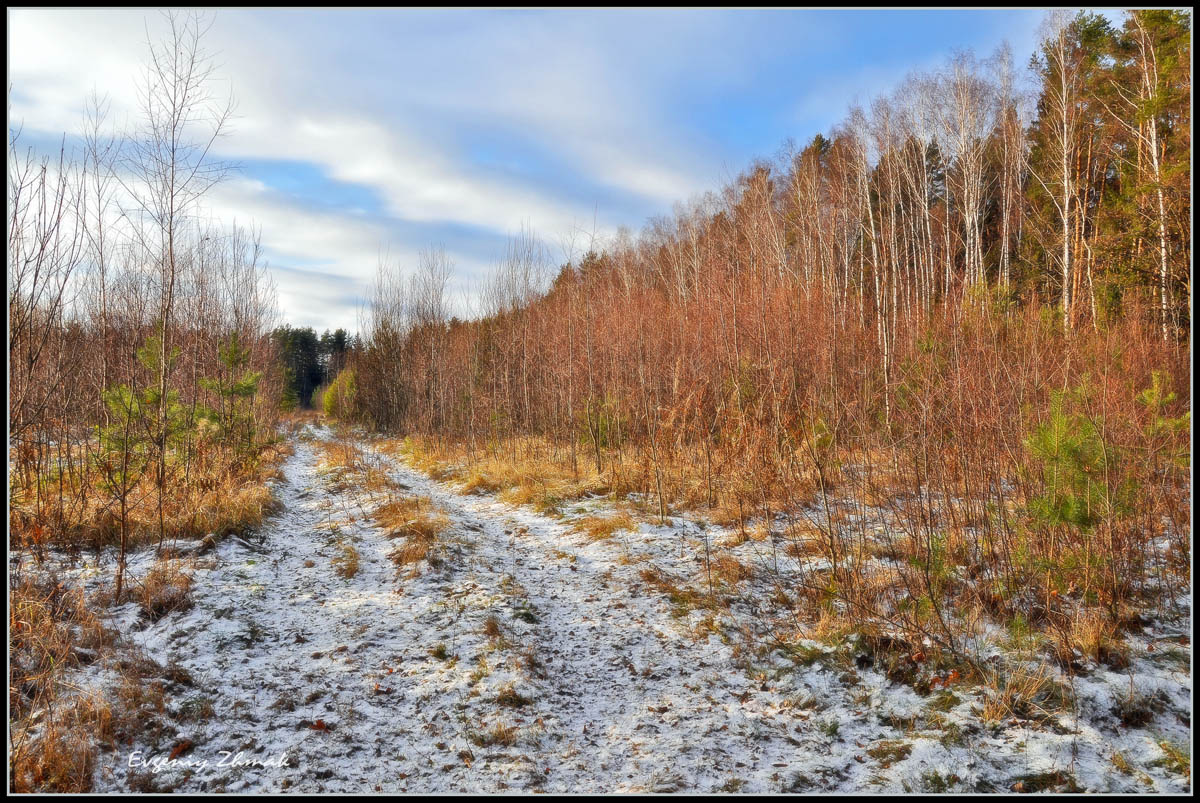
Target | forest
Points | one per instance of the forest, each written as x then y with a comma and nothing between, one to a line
917,389
977,321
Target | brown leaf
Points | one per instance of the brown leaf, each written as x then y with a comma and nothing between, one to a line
181,748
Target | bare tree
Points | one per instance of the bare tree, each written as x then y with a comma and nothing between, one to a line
1062,74
168,158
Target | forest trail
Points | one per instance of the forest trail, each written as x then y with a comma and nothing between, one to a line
530,657
381,681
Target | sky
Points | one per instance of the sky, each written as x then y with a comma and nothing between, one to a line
364,133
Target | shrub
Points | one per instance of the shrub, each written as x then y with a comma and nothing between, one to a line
338,400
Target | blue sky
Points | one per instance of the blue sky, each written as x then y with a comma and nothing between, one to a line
363,132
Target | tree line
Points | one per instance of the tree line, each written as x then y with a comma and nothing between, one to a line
968,301
309,361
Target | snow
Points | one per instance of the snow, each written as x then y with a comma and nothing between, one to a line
337,679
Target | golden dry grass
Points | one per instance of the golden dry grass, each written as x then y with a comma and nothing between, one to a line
53,729
599,528
417,523
206,496
730,569
1022,692
340,452
411,517
165,588
500,734
345,563
492,628
1092,634
523,471
62,757
539,472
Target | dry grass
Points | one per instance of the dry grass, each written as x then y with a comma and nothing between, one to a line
377,479
49,624
418,524
683,599
536,471
492,628
731,570
1023,693
1177,758
523,471
509,697
805,547
413,552
345,563
500,734
1093,635
53,730
341,452
599,528
62,756
888,752
529,661
411,517
165,588
207,496
55,726
232,511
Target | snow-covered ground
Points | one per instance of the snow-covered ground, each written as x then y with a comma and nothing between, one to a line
596,682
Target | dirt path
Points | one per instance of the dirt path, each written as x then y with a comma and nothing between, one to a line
381,681
585,680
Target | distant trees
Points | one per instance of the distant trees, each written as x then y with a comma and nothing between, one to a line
299,356
308,361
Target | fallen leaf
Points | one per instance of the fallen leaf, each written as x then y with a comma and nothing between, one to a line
181,748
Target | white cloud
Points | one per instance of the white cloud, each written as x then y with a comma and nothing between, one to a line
395,101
